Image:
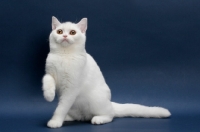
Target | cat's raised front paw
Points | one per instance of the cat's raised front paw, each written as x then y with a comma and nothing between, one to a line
49,95
54,124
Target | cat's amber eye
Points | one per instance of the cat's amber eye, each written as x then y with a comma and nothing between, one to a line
59,31
72,32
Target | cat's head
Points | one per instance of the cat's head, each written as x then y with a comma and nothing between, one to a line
68,33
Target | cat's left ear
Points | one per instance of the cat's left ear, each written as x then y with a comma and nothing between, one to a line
55,23
83,25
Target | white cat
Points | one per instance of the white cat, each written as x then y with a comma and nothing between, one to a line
74,74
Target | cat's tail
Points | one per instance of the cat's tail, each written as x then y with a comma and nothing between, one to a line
136,110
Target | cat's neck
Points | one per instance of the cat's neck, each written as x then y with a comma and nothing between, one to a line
69,50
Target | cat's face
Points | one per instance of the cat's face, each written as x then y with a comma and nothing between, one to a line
65,34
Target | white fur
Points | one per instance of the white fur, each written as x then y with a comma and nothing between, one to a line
83,92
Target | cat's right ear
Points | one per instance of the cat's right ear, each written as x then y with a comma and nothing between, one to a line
55,23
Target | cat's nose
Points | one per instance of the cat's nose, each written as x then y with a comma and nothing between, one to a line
65,36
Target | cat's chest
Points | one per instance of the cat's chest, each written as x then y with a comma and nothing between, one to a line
63,67
59,63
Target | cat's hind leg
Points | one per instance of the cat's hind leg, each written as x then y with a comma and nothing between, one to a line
68,118
98,120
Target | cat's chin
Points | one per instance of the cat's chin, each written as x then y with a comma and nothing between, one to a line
65,43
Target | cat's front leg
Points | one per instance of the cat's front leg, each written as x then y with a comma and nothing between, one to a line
66,100
48,87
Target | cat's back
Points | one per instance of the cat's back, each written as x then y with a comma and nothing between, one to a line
91,64
93,73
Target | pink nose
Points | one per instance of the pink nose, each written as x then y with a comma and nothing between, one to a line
65,36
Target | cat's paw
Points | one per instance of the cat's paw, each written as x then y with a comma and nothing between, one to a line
98,120
54,124
49,95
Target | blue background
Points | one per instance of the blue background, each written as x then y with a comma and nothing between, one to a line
148,51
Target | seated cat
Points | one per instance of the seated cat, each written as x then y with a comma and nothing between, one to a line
82,90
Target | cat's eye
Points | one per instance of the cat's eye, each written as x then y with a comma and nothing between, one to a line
59,31
72,32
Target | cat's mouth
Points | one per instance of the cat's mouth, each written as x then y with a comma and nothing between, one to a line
65,40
